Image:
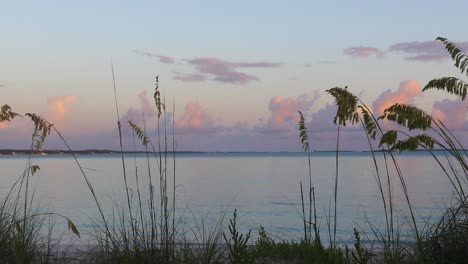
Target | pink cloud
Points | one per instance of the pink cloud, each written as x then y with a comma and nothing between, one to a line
162,58
146,103
363,52
17,133
58,105
226,72
284,110
194,118
190,77
405,94
453,113
136,114
425,50
197,130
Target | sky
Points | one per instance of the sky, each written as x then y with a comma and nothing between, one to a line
233,73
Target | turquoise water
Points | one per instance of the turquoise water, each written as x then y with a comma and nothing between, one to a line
264,187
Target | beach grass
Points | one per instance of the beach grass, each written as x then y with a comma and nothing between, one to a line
147,229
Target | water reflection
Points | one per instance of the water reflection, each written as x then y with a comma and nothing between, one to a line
263,187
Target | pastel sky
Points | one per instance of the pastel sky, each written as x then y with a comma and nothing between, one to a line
238,71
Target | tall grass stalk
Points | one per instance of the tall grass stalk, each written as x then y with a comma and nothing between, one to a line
21,231
410,118
306,237
306,147
119,126
88,182
155,236
152,211
173,178
348,105
140,207
336,185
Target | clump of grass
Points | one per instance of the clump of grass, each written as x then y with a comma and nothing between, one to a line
360,254
21,218
153,232
414,124
352,110
203,242
237,243
266,250
447,242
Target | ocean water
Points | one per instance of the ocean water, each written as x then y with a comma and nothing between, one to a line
263,187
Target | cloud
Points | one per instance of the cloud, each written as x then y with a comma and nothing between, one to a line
405,94
162,58
146,104
453,113
2,85
197,130
425,50
209,68
323,132
284,110
136,114
225,71
322,120
190,77
363,52
18,132
195,119
58,105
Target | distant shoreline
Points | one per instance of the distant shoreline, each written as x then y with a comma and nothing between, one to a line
13,152
79,152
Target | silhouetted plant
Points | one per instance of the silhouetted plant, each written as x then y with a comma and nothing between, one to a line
41,130
263,240
414,123
306,147
351,110
346,112
6,114
237,242
124,170
451,84
160,106
152,235
360,254
303,133
140,133
21,233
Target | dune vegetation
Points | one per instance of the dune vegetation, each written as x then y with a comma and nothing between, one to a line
146,229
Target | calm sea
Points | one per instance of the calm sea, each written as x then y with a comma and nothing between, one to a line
263,187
